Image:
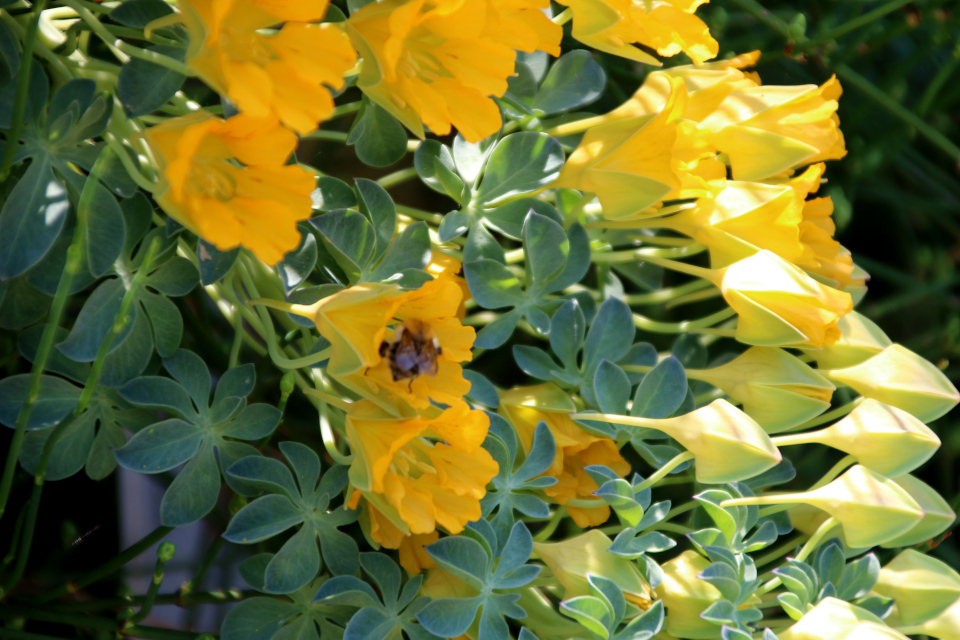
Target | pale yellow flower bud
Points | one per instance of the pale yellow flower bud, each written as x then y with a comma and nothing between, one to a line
571,560
860,339
885,439
728,446
899,377
937,514
871,509
685,597
775,388
834,619
923,587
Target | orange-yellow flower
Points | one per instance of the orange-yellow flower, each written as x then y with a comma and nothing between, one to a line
281,74
634,163
423,472
437,63
667,26
525,408
256,205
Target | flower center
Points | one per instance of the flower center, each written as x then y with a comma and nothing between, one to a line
211,179
246,45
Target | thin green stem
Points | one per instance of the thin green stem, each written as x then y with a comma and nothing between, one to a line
555,519
179,599
15,539
322,134
664,471
164,555
809,547
132,170
829,416
856,23
702,325
834,471
329,440
237,341
780,551
20,95
936,138
205,564
344,109
109,567
759,12
933,89
397,177
419,214
665,295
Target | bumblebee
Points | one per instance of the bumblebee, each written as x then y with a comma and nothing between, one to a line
412,352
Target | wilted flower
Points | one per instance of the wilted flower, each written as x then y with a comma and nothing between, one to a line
667,26
885,439
685,597
871,509
438,64
899,377
525,408
860,339
775,388
922,587
728,446
834,619
635,163
937,514
282,74
572,559
256,205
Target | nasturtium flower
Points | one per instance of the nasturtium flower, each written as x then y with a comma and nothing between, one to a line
421,472
921,586
885,439
727,445
667,26
871,509
899,377
284,74
438,63
860,339
937,514
779,305
775,388
633,164
766,130
572,559
525,408
834,619
226,181
685,597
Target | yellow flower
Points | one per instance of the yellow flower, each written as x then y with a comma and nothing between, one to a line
635,163
421,472
899,377
282,74
525,408
685,597
937,514
922,587
775,388
667,26
860,339
834,619
438,63
765,130
256,205
779,305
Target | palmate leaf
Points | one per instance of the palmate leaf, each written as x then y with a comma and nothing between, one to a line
295,616
289,503
194,431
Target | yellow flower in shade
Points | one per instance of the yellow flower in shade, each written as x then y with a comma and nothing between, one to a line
727,445
256,203
525,408
779,305
885,439
766,130
422,472
438,63
860,339
834,619
685,597
922,587
413,556
937,514
281,74
871,509
775,388
635,163
667,26
899,377
572,559
369,324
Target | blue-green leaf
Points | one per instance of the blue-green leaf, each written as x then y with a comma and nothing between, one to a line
520,163
31,218
263,518
575,80
160,447
296,564
662,391
193,493
57,398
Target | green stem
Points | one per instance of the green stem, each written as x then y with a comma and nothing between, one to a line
664,471
15,539
665,295
563,17
759,12
808,548
329,440
132,170
164,555
823,418
945,72
109,567
205,563
780,551
397,177
418,214
322,134
939,140
179,599
702,325
555,519
856,23
834,471
20,96
119,47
